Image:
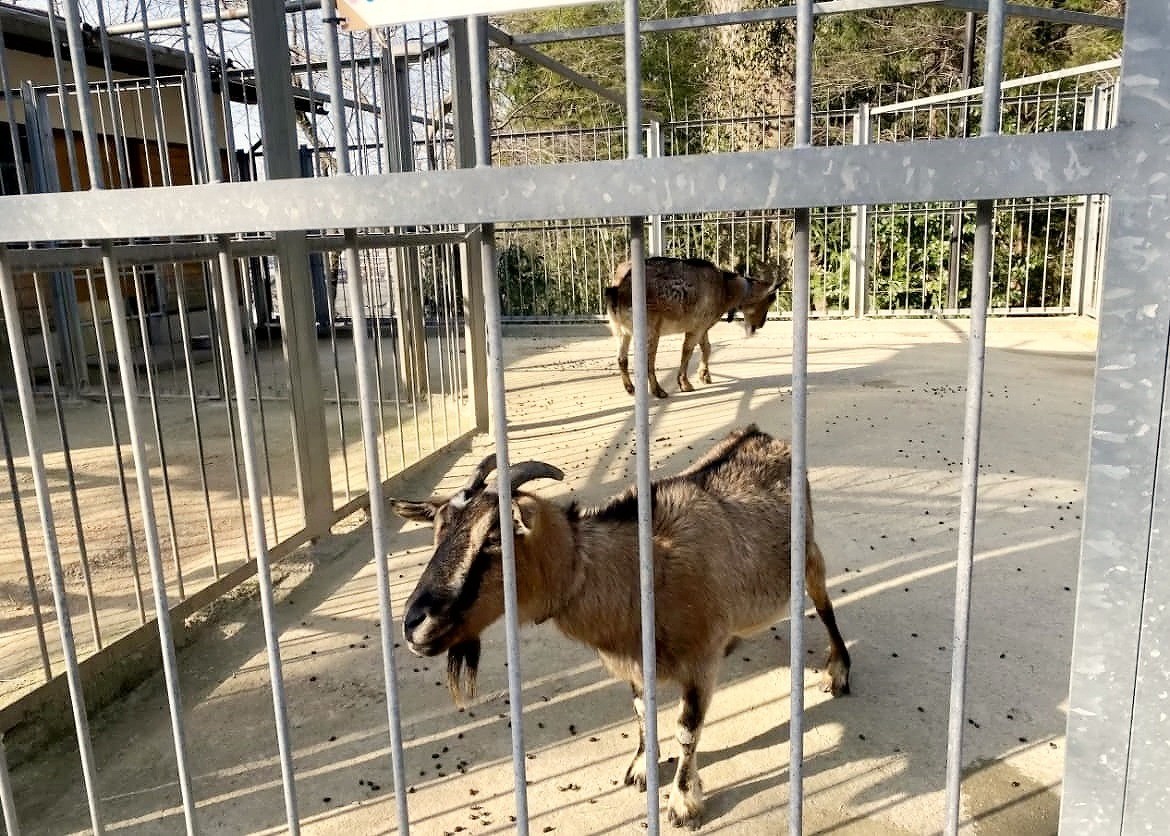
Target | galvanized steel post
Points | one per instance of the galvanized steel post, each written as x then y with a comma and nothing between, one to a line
299,318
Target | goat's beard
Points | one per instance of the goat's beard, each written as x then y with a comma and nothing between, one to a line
462,668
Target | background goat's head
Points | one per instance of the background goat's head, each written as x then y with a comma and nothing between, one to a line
760,297
461,591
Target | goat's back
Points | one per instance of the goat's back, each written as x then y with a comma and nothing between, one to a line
721,540
681,294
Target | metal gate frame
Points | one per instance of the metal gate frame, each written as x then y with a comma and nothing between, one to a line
1117,759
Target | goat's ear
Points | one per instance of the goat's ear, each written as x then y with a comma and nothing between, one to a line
417,511
523,516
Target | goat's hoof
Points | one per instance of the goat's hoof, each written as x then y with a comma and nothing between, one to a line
836,679
636,774
629,388
705,377
659,392
685,809
685,386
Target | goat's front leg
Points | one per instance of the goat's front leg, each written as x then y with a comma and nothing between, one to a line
636,773
688,349
651,359
704,358
685,807
623,359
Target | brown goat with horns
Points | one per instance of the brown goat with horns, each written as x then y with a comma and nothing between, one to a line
721,558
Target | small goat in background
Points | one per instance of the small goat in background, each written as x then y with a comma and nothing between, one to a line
722,564
683,296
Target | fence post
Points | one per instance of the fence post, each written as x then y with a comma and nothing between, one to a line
404,269
1085,236
859,230
471,266
298,325
654,150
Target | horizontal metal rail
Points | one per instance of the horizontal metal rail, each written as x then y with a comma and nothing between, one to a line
972,93
67,257
830,7
1035,165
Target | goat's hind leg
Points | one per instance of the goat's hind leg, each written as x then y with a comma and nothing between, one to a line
623,359
685,806
705,358
651,360
688,349
636,772
836,680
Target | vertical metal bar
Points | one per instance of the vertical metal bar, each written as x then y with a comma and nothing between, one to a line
1116,762
481,119
67,456
980,297
116,439
20,367
7,802
119,317
22,534
859,229
62,102
367,397
256,504
116,118
189,371
160,444
654,149
642,372
298,332
800,305
471,268
126,370
6,91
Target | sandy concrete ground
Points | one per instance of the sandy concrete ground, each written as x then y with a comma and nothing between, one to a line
886,405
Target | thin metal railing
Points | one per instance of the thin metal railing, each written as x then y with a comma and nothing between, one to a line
801,266
481,126
972,425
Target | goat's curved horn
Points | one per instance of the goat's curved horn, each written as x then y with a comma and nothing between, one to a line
527,471
479,478
476,483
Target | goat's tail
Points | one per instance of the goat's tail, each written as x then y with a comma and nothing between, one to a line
612,300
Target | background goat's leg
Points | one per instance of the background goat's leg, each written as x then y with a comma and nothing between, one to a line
685,807
836,679
623,359
705,356
636,773
688,349
651,360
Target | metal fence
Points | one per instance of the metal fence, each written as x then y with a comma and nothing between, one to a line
151,261
887,259
142,326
